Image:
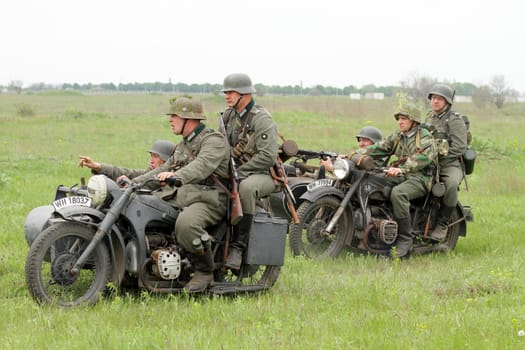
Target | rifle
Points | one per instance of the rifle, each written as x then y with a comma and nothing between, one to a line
304,154
235,201
279,175
400,161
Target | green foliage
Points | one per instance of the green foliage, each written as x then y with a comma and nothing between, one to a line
24,110
469,298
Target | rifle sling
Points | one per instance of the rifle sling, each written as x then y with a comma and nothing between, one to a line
219,184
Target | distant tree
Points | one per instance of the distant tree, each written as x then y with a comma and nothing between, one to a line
464,89
417,87
261,89
481,96
499,90
16,86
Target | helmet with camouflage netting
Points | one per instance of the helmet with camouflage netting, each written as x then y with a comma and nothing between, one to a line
444,91
186,108
163,148
371,133
238,82
410,111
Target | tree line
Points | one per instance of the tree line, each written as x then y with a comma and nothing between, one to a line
497,91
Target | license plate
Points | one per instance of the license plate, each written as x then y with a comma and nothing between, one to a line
72,200
319,183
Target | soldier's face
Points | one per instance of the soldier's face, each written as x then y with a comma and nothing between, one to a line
404,123
155,161
437,103
176,123
363,142
231,97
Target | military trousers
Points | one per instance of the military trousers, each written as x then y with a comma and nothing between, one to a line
193,221
451,177
253,188
403,193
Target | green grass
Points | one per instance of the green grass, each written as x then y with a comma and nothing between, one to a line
470,298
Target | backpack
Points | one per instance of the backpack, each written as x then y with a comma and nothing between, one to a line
469,157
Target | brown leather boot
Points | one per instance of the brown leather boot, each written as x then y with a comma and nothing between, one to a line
439,234
203,275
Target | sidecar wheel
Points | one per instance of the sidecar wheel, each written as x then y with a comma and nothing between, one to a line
306,237
50,259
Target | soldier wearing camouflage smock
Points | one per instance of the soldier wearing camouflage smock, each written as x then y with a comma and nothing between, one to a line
254,139
201,153
414,149
160,152
450,133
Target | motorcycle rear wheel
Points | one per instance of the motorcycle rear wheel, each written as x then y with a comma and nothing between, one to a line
50,259
306,238
453,232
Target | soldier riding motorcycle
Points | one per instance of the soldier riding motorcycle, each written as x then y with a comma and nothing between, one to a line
100,233
356,211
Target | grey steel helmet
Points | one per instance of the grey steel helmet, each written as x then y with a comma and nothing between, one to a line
444,91
238,82
409,111
163,148
370,132
186,108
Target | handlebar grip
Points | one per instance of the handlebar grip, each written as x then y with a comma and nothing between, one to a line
174,181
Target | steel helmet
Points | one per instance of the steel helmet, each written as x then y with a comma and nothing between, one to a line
444,91
186,108
409,111
238,82
163,148
371,133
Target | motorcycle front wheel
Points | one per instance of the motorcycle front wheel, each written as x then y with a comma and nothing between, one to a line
51,258
308,237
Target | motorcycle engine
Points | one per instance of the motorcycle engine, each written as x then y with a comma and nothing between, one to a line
167,263
387,231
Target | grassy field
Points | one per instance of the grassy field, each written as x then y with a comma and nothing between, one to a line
470,298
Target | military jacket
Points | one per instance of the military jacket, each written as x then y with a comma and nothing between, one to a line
113,172
450,134
258,130
196,157
416,148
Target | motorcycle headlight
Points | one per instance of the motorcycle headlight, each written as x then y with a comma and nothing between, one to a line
341,168
97,190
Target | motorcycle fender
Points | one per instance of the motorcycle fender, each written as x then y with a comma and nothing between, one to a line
467,215
42,217
322,192
74,210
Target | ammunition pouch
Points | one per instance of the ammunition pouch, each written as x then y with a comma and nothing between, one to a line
239,148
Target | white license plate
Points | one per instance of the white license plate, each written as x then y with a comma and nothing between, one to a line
319,183
72,200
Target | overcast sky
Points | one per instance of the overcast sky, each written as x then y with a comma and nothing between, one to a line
276,42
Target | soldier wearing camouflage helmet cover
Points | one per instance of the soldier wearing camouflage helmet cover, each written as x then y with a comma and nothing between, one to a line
254,139
201,153
450,133
159,152
414,148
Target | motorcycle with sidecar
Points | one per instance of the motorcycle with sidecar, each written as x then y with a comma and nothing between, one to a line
100,234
